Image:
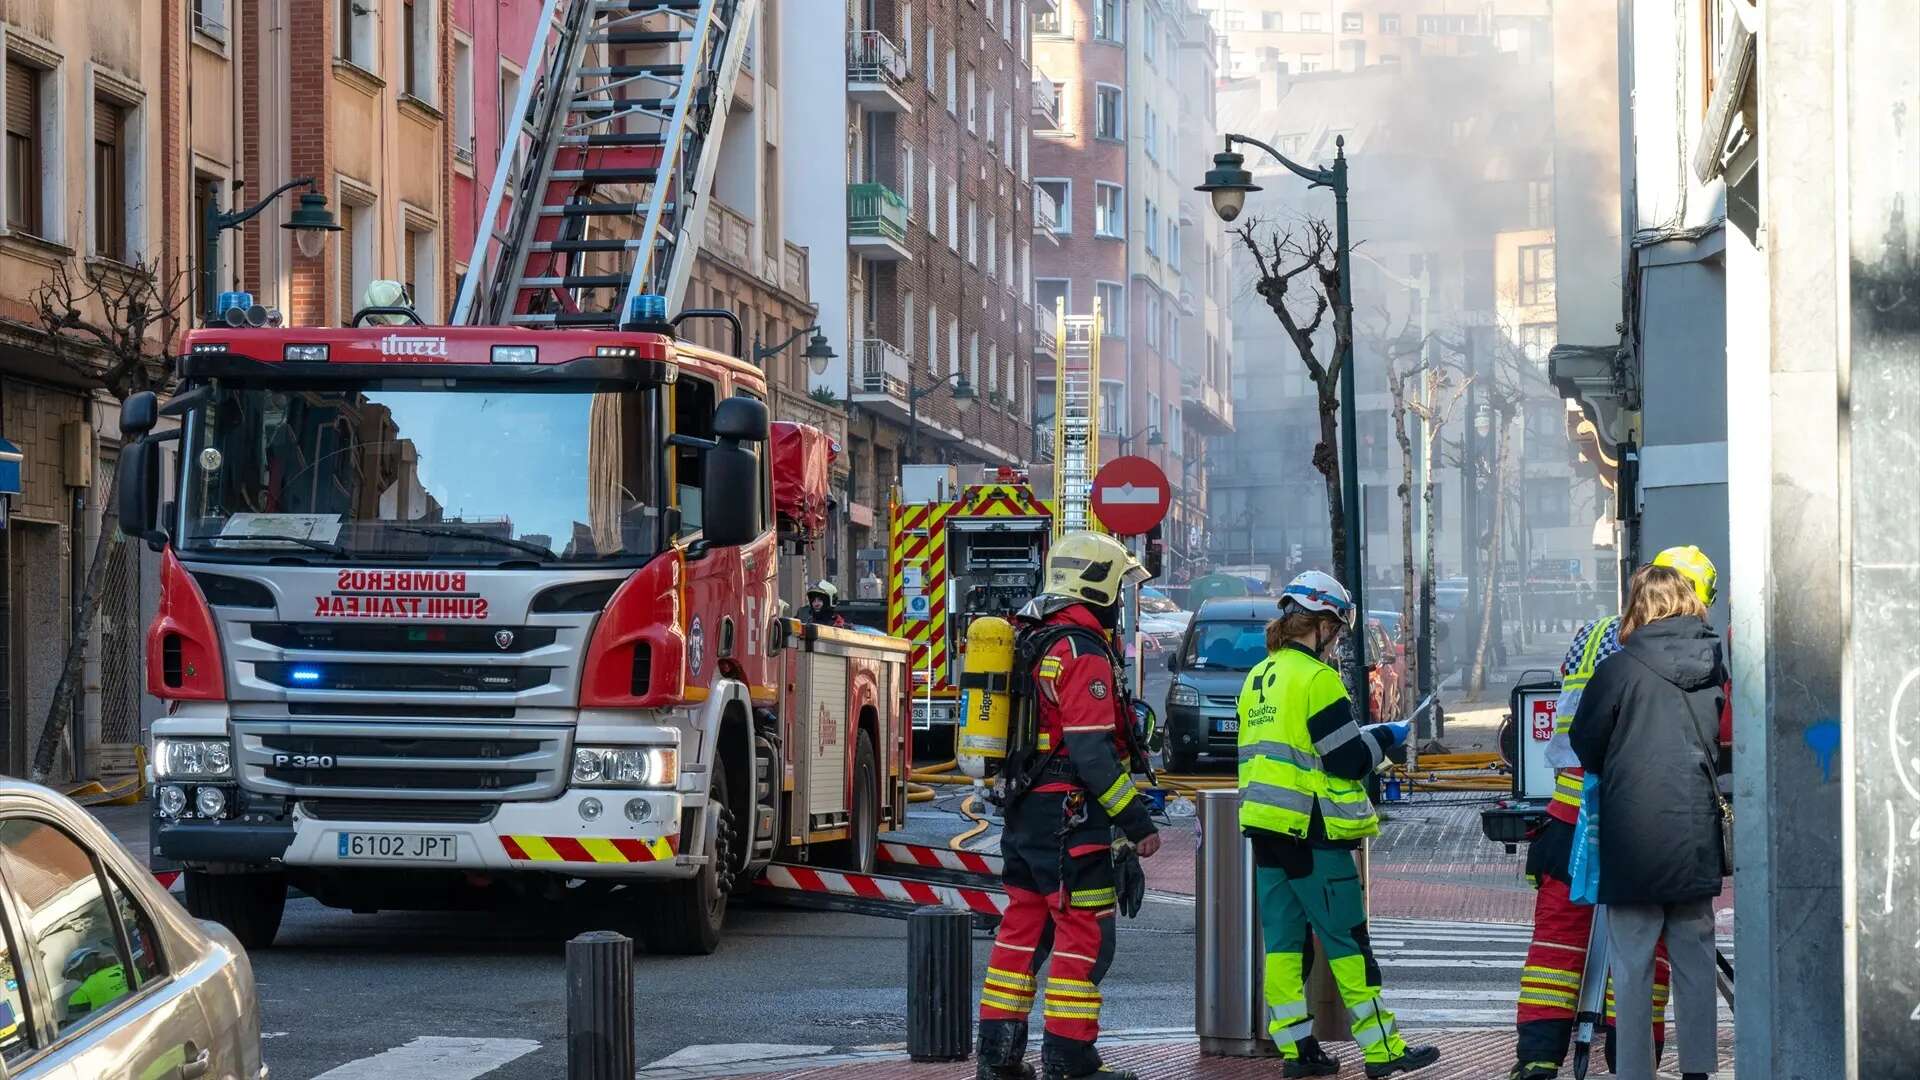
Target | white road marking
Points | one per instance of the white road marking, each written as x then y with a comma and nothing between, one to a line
728,1053
435,1057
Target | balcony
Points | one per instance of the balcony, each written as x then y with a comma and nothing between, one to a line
877,223
1046,334
1046,215
882,378
1046,104
877,72
1049,21
1206,409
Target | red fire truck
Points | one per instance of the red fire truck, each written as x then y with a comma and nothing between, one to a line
456,616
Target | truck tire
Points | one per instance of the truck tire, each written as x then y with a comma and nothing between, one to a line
250,905
1181,762
861,850
686,916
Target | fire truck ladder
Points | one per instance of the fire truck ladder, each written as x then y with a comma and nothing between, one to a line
605,175
1076,424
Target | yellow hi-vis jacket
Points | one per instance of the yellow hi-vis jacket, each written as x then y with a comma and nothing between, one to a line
1301,750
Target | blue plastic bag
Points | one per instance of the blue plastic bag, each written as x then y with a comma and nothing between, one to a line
1583,866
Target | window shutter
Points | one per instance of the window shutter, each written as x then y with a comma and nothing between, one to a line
106,121
347,300
23,98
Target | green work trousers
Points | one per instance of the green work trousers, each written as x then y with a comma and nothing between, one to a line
1327,899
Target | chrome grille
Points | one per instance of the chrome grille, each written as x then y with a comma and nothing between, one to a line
408,760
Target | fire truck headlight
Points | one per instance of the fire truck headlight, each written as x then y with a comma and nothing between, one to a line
516,354
309,353
172,799
192,759
625,766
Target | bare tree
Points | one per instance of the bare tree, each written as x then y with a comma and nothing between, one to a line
1440,392
110,329
1299,278
1404,351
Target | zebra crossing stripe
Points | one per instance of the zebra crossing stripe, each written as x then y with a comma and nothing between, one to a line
435,1057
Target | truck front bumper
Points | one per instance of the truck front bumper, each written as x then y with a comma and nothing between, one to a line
556,835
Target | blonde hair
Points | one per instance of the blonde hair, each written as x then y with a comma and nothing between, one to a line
1296,625
1655,593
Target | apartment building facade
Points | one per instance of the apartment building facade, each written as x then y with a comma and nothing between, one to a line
1133,92
1305,36
932,111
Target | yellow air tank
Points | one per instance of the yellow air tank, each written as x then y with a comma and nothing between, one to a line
986,704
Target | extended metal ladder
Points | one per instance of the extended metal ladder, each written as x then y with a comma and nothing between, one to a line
605,173
1076,409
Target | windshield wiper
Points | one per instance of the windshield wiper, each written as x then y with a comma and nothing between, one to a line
453,532
327,546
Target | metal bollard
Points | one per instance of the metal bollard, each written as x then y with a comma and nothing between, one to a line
600,1006
939,984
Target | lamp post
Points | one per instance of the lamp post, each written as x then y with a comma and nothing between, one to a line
963,396
1227,185
818,353
1153,438
310,223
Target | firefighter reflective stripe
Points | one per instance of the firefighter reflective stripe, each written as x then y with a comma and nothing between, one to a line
1288,1020
1279,752
1597,634
1008,990
1071,999
1093,898
1567,786
1286,800
1346,733
1116,797
1346,810
589,849
1373,1026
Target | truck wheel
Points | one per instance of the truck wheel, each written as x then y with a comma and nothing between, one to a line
250,905
687,915
861,849
1181,762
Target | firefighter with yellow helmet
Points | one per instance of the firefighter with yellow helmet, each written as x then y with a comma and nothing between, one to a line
1550,981
1072,818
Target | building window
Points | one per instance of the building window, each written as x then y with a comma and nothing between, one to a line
993,246
908,174
953,217
1536,274
1108,20
1153,134
210,18
1549,503
1109,112
1311,22
953,95
1153,233
1113,407
973,104
1272,20
1389,24
416,44
933,73
1432,24
351,247
1113,307
423,279
1048,293
110,180
509,123
1540,204
1536,341
1149,47
1153,320
463,146
993,119
1173,243
973,360
1310,62
1109,211
23,148
358,25
973,233
1351,22
993,367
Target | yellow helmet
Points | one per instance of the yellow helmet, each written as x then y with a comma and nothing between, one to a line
1692,563
1091,567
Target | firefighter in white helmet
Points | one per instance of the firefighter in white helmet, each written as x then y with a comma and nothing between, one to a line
820,601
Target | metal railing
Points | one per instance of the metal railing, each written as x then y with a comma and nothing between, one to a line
873,57
1046,330
1046,100
798,274
874,210
884,368
1046,212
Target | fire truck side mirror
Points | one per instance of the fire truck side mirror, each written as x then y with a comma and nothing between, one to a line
138,414
741,419
138,491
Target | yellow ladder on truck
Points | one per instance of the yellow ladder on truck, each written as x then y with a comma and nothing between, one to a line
601,189
1076,417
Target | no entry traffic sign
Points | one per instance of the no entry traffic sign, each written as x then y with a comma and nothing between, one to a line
1131,495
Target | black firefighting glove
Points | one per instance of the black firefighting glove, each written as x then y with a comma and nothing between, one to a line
1129,881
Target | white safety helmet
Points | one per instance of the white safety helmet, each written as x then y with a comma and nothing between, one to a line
825,588
1315,591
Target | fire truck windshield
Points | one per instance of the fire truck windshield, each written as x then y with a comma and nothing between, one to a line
423,470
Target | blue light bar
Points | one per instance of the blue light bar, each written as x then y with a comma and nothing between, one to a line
230,300
648,308
305,674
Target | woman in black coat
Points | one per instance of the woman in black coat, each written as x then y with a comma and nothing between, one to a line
1648,727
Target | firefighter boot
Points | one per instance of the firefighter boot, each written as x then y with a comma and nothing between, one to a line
1535,1070
1312,1061
1003,1051
1416,1057
1065,1059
